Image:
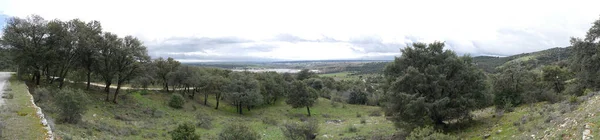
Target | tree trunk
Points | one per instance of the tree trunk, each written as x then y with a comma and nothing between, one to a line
107,90
217,96
308,109
167,86
248,108
38,76
206,98
61,83
89,77
116,92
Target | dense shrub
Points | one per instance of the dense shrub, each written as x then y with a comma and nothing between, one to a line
238,132
41,94
358,96
428,133
71,103
176,101
184,131
352,129
300,130
204,121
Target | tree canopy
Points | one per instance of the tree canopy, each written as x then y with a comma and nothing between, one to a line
429,85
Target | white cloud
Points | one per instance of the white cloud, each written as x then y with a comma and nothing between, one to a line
500,27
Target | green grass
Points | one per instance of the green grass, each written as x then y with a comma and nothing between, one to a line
99,121
19,115
346,76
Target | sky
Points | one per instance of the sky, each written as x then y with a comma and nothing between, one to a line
275,30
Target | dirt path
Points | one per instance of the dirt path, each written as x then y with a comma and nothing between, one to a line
3,80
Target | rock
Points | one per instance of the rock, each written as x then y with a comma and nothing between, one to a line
486,136
499,131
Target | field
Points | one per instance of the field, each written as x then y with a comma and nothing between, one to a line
148,116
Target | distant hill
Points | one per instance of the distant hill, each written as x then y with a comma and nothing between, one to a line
530,60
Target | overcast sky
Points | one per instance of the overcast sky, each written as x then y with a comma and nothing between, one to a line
335,29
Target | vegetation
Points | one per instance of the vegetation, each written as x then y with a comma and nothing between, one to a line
426,86
185,131
176,101
236,131
72,104
429,85
301,96
300,130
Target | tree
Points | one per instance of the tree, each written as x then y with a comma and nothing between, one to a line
555,76
89,40
27,38
62,40
301,96
243,90
305,74
164,67
358,96
429,85
585,60
272,87
215,84
513,85
107,56
131,56
186,131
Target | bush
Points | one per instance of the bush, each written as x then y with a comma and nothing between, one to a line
41,94
428,133
300,130
363,121
375,113
352,128
176,101
71,103
204,121
238,132
185,131
269,121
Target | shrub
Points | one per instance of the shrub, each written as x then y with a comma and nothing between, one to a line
358,115
41,94
300,130
176,101
204,121
184,131
238,132
375,113
352,128
269,121
363,121
71,103
428,133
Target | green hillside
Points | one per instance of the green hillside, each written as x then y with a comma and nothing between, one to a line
530,60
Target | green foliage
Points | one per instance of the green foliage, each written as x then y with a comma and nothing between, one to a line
186,131
72,103
243,90
515,85
272,86
585,61
555,77
238,132
204,121
176,101
358,96
428,133
429,85
305,74
351,128
301,96
300,130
